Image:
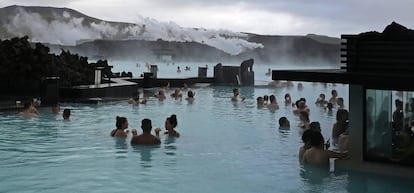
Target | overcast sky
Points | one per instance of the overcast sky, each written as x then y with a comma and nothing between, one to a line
273,17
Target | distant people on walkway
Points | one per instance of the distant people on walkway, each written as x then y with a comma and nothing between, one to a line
29,110
121,124
146,138
170,124
269,72
66,114
178,69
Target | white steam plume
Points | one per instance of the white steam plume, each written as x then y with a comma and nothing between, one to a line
68,30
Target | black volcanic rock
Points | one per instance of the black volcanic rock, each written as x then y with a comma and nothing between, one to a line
25,66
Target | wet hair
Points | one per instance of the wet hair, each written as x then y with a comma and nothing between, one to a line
235,90
190,93
334,92
322,95
301,105
146,125
287,95
173,120
302,99
315,126
340,99
316,139
307,135
398,103
66,113
329,106
265,97
259,98
283,121
272,98
120,121
342,115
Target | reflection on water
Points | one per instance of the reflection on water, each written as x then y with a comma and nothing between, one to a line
146,154
284,132
170,145
314,175
121,147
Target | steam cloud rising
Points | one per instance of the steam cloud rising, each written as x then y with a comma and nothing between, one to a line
67,30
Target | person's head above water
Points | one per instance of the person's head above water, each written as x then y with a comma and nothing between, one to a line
66,114
146,125
121,122
171,122
284,122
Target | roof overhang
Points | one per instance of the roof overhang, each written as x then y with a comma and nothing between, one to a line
386,81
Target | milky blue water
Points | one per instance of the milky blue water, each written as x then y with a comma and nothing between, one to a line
224,147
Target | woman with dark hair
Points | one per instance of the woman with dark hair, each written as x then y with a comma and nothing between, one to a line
170,124
341,124
121,125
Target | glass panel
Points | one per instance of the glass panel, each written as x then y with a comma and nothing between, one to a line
389,117
378,125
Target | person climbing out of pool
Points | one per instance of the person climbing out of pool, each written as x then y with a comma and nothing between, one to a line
317,155
170,124
121,125
236,95
146,138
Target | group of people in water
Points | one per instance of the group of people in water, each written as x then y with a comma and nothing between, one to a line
146,138
29,110
314,150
